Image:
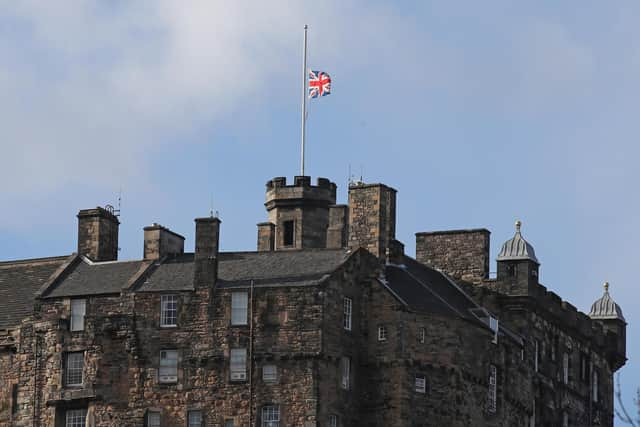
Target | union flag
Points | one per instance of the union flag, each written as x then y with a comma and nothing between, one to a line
319,84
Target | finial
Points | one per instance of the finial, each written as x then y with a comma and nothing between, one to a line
606,287
518,225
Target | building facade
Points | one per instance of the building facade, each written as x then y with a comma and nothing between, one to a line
327,323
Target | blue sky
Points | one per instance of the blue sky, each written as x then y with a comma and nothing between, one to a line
477,112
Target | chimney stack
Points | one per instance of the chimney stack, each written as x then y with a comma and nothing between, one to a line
206,251
159,241
372,219
98,234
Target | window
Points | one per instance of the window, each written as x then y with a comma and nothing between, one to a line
382,333
238,364
228,423
493,324
565,419
74,366
536,354
584,368
271,416
594,387
345,368
75,418
347,309
422,337
288,233
493,389
78,308
421,384
168,372
333,421
565,368
269,373
14,398
153,419
168,310
532,420
239,304
194,419
554,348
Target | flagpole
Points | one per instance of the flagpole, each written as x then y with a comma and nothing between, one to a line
304,99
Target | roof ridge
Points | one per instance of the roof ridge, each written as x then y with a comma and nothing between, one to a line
32,260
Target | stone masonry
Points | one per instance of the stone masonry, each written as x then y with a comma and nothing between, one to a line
327,323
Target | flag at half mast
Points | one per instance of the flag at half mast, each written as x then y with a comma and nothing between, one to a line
319,84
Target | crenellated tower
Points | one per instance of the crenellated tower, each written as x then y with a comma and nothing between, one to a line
299,214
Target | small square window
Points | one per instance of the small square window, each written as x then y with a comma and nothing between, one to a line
75,418
421,384
333,421
168,372
74,367
238,362
153,419
195,419
269,373
382,333
168,311
78,309
288,234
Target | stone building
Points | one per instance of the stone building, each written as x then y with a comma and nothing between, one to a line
327,323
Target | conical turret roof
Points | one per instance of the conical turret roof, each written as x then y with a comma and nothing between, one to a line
606,307
517,248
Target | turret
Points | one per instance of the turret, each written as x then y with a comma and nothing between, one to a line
298,214
517,265
609,314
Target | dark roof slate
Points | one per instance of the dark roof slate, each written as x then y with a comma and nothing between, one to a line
89,278
424,289
19,283
299,267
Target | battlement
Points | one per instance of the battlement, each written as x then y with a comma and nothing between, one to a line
569,315
279,193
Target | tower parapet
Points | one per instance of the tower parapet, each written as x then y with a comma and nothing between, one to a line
299,212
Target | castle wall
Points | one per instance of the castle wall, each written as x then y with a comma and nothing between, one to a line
556,328
459,253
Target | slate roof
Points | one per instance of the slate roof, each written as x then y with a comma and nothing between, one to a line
302,267
424,289
19,283
88,278
421,288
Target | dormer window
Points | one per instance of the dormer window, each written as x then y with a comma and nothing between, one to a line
288,233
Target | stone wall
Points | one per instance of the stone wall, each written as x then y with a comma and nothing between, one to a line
372,217
459,253
98,234
556,328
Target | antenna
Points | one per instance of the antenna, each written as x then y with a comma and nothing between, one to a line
211,206
117,211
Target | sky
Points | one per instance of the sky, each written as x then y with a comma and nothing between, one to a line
478,113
